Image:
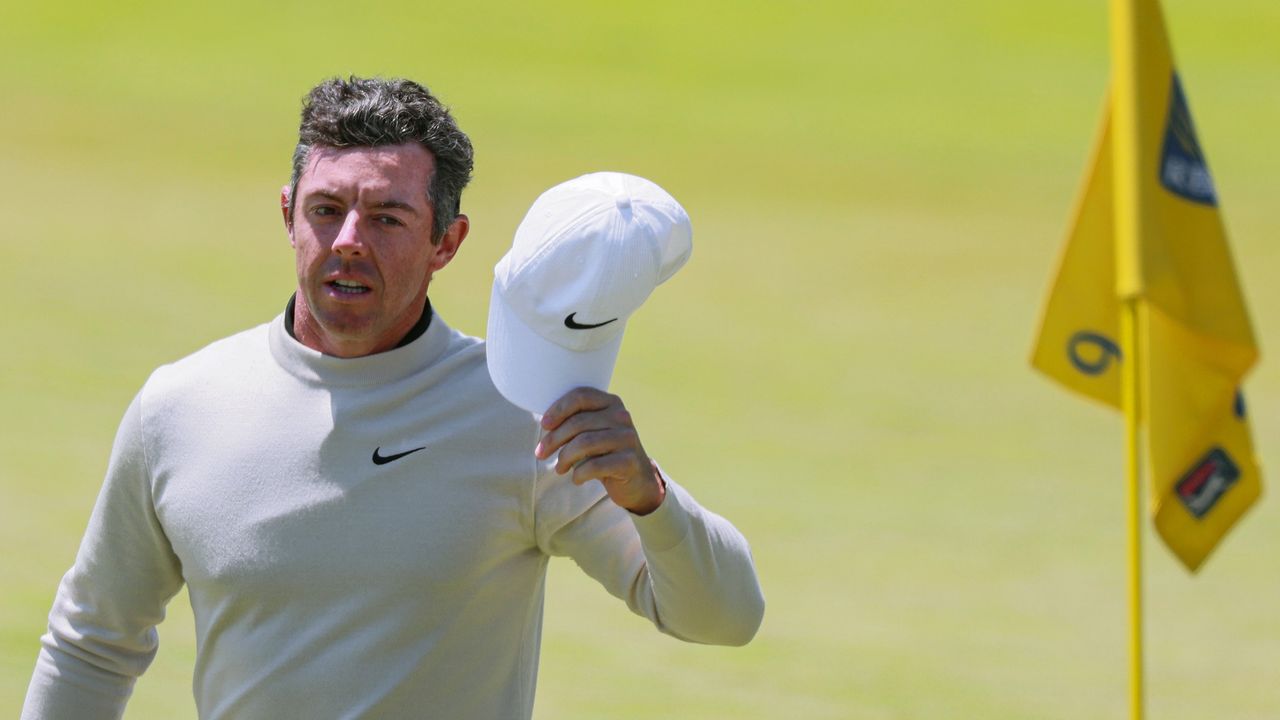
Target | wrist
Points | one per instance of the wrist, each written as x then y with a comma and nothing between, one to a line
661,484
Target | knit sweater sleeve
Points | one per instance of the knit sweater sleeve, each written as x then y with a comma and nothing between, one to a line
102,634
682,566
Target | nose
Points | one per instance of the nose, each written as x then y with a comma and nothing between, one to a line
349,241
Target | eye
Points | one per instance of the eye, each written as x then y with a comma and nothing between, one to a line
324,210
389,220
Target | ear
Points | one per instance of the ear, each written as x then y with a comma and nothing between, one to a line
450,242
284,213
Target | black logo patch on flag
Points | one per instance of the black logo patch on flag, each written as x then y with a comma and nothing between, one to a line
1183,170
1206,481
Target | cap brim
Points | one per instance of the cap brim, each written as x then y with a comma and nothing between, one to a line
533,372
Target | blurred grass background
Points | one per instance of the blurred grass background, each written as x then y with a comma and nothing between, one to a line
878,192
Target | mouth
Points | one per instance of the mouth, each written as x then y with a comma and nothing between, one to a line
347,287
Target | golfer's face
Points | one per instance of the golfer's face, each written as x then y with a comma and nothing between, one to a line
362,235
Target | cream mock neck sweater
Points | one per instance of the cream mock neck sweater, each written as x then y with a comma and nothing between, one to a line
327,585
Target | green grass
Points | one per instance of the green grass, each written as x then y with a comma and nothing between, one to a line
878,193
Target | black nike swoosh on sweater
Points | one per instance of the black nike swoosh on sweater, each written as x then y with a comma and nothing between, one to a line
379,459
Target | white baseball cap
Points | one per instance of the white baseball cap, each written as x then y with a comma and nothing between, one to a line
585,257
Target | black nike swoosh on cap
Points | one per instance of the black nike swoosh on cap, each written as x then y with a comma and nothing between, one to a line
379,459
572,324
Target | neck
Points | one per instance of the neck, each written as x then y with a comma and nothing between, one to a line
303,327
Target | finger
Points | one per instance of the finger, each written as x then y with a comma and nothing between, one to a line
575,425
628,479
616,470
576,401
594,444
613,415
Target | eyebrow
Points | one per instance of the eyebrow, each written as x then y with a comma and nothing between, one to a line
396,205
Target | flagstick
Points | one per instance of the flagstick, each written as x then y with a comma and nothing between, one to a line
1128,236
1130,392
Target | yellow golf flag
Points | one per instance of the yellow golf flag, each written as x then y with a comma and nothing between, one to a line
1195,343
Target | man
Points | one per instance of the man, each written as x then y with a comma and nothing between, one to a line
361,520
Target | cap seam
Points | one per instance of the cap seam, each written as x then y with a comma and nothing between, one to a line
546,244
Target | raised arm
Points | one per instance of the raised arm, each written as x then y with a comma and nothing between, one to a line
640,535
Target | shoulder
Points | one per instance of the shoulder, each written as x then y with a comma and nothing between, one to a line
211,369
220,357
464,359
461,347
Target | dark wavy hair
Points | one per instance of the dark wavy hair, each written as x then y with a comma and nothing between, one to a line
372,112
